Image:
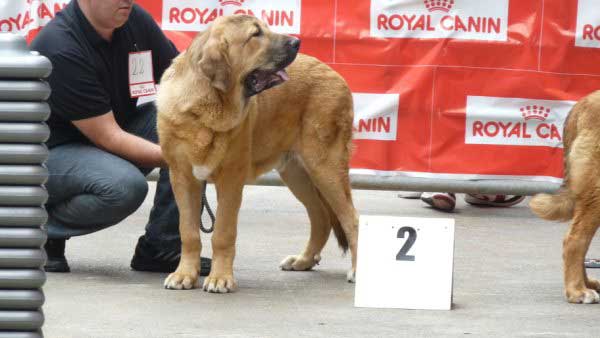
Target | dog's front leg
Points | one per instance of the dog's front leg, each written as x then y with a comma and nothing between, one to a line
188,194
229,196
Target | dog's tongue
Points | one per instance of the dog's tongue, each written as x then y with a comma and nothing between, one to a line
272,80
262,81
283,75
277,78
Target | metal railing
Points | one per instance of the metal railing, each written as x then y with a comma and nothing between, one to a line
404,183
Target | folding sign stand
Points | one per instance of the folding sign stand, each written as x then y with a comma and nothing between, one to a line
405,263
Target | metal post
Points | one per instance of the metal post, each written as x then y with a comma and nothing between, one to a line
22,195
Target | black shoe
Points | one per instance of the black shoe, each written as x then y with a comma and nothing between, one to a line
55,249
162,257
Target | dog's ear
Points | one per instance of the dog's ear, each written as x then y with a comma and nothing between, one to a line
215,64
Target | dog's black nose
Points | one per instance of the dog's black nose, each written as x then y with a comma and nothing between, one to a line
294,44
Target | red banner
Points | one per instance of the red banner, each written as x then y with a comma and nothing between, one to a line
442,88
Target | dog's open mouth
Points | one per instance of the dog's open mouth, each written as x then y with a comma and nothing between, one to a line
260,80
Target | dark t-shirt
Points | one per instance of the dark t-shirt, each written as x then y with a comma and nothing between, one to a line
90,75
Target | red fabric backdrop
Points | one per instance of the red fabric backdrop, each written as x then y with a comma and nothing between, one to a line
437,70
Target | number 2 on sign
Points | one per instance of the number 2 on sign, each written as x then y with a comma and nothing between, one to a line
412,237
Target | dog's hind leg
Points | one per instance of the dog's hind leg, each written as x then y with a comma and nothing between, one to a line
188,194
582,163
331,177
591,283
296,178
578,288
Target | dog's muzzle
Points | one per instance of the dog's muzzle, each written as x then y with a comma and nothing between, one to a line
262,79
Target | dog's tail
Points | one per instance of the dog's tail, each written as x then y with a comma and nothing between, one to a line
560,206
557,207
338,231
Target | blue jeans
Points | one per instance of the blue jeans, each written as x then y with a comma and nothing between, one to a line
90,189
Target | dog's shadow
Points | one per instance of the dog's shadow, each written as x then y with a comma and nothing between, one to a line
249,280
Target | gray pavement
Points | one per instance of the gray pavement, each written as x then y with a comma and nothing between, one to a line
507,281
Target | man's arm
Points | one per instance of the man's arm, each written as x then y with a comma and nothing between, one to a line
106,134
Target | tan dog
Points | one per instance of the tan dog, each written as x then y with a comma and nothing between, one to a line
215,123
578,198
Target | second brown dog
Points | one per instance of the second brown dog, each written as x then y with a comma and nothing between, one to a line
579,197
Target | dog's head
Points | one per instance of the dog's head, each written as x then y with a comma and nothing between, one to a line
240,50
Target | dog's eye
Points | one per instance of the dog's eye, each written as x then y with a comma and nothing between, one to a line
257,33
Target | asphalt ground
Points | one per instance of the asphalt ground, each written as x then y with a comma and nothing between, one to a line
507,281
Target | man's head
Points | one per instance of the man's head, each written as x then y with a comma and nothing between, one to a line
106,15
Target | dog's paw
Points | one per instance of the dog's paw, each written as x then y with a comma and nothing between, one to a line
351,276
182,281
593,284
299,263
219,284
585,296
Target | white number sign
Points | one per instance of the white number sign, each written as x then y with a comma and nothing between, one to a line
405,263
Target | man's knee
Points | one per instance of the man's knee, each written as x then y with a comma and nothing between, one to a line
132,191
105,203
125,196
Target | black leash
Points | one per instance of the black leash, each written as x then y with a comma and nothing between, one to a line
208,210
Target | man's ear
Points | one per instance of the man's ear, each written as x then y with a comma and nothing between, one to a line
215,65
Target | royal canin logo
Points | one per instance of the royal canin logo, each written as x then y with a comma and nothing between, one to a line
231,2
535,113
282,16
588,24
375,116
522,130
464,19
439,5
27,15
515,121
591,32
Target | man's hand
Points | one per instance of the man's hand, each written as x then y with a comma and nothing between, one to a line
106,134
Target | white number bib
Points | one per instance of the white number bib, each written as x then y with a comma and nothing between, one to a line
141,76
